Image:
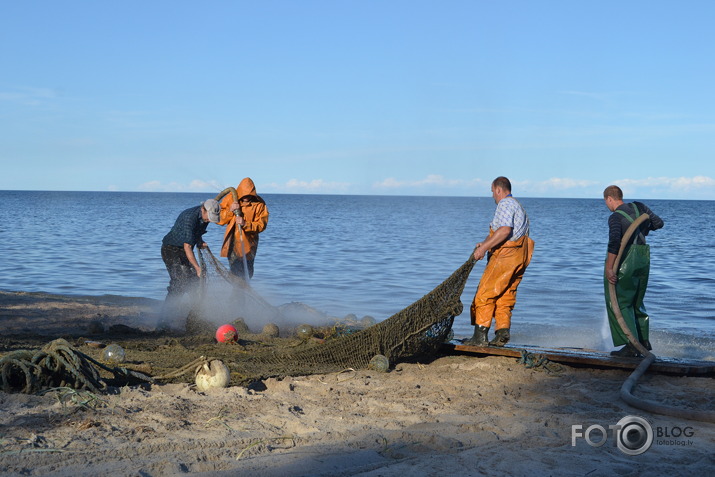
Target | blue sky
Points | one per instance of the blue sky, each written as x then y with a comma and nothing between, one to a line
359,97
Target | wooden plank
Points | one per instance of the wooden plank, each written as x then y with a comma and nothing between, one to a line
589,357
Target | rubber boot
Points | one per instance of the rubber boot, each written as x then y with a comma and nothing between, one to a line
628,351
501,337
479,338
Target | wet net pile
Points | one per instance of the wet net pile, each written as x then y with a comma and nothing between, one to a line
416,331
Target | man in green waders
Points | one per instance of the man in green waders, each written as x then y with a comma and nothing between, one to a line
631,279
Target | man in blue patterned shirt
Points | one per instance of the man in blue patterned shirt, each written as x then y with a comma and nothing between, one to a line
177,247
508,249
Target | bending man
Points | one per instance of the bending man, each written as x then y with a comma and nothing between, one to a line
177,247
509,250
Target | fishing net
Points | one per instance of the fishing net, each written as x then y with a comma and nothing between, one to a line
221,294
416,331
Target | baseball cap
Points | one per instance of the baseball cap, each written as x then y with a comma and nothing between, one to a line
213,209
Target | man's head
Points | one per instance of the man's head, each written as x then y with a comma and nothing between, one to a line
211,211
613,195
501,187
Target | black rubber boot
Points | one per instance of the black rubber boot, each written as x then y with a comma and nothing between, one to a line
501,337
479,338
628,351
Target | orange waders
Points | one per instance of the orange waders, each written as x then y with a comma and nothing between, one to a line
496,294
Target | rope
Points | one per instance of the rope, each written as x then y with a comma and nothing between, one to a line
539,362
630,383
58,365
189,367
55,365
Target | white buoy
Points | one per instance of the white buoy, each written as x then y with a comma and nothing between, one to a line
211,375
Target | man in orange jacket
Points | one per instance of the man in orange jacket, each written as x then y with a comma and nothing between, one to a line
510,249
244,221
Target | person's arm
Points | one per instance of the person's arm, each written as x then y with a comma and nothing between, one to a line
189,251
496,239
228,212
655,222
611,276
258,219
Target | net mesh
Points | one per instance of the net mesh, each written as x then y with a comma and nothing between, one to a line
416,331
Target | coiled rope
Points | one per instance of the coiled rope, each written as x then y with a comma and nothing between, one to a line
59,365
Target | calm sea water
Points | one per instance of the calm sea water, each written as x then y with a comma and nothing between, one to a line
371,255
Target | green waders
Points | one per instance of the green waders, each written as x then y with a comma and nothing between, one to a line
631,286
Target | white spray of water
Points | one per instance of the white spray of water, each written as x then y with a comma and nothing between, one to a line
606,341
222,303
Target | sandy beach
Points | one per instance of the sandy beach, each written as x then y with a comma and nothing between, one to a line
453,414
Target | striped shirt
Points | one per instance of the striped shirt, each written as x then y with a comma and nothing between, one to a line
510,213
618,224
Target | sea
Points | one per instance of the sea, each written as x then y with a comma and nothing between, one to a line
375,255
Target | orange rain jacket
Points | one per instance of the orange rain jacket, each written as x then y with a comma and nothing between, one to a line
256,216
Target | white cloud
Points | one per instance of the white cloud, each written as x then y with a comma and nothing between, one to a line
435,184
555,184
156,186
432,180
198,185
315,186
682,185
566,183
654,187
440,185
195,185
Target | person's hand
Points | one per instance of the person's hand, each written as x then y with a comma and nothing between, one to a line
198,272
240,221
234,207
611,277
479,252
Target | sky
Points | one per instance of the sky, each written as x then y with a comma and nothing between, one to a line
359,97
